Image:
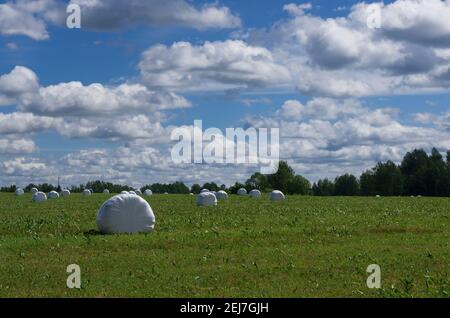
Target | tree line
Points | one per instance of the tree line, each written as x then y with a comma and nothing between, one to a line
417,174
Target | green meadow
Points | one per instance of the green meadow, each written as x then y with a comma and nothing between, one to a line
302,247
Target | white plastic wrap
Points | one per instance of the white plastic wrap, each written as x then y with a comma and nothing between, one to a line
125,213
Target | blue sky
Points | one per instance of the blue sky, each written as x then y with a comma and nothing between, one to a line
343,95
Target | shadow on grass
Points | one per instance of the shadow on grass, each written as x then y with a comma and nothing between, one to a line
93,233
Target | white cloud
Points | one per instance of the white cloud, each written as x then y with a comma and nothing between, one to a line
211,66
343,57
16,146
115,14
75,99
29,17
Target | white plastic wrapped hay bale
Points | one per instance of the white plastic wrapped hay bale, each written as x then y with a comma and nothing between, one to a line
39,197
221,195
34,190
277,195
87,192
65,193
206,199
53,195
138,192
106,191
242,192
19,192
148,192
255,193
125,213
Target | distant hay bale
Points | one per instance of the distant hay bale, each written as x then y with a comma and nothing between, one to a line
148,192
34,190
125,213
87,192
206,199
138,192
255,193
221,195
65,192
277,195
378,196
39,197
19,192
242,191
106,191
53,195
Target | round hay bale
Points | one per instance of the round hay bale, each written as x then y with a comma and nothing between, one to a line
34,190
242,191
39,197
221,195
204,191
138,192
255,193
378,196
106,191
148,192
87,192
125,213
191,193
206,199
65,192
19,192
277,196
53,195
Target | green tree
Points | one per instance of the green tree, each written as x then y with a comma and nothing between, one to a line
257,181
298,185
323,187
196,188
388,179
346,185
280,179
367,183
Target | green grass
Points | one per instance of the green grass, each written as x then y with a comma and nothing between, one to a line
302,247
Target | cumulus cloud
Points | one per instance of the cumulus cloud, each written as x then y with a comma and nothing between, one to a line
16,146
76,99
213,65
20,82
29,17
334,133
343,57
115,14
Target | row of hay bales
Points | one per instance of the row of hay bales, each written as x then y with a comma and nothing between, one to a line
39,196
129,213
210,198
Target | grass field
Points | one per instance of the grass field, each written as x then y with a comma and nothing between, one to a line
303,247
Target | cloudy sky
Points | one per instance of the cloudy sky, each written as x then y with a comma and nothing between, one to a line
101,101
